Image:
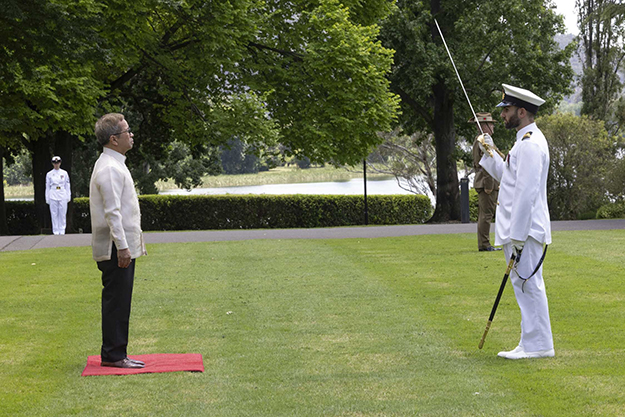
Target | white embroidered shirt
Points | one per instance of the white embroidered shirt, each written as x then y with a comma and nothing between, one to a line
114,207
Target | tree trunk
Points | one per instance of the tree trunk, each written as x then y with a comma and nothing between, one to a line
447,194
447,191
4,229
41,166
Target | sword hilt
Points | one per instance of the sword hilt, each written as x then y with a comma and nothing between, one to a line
489,148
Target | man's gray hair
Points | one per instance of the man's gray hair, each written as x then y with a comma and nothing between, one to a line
107,126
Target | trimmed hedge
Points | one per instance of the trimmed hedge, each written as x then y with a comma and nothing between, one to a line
21,218
208,212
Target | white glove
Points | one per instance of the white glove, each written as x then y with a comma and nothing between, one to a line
486,144
517,247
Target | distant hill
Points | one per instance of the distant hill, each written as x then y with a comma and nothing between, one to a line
576,64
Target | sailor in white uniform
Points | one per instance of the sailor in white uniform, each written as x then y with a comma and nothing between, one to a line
58,194
522,224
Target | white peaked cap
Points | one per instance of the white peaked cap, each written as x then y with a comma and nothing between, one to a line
520,97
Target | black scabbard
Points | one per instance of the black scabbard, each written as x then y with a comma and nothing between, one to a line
499,294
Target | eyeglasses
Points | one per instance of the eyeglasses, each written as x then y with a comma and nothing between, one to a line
129,131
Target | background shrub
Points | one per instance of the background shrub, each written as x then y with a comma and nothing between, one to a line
582,160
612,211
473,205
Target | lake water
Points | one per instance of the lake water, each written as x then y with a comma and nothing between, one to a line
351,187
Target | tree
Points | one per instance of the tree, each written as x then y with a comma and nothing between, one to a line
305,75
47,81
602,33
326,71
492,42
411,159
236,159
582,158
18,170
310,75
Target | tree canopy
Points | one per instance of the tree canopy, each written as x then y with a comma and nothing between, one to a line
307,74
48,77
492,42
602,33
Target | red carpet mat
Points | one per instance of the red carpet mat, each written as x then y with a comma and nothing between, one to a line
159,362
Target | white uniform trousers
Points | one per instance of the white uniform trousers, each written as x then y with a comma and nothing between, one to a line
535,324
58,212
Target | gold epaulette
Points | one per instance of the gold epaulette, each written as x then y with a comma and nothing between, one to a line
527,135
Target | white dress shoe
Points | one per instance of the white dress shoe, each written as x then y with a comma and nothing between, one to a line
504,354
528,355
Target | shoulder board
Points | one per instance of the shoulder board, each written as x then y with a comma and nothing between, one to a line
527,135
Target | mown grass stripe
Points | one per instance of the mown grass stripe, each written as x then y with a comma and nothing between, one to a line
317,327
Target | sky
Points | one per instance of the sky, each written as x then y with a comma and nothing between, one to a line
567,8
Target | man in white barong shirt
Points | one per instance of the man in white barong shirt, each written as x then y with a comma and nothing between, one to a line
522,224
117,239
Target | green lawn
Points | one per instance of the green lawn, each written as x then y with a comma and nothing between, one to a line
355,327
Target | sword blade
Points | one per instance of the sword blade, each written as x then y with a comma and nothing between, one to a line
458,74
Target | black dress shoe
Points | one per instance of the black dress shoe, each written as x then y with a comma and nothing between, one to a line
489,249
124,363
137,361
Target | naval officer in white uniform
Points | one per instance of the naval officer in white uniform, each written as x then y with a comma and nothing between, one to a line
522,224
58,194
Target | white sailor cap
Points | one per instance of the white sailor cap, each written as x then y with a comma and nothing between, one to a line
56,159
520,97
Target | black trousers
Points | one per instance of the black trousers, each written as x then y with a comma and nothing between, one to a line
116,298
